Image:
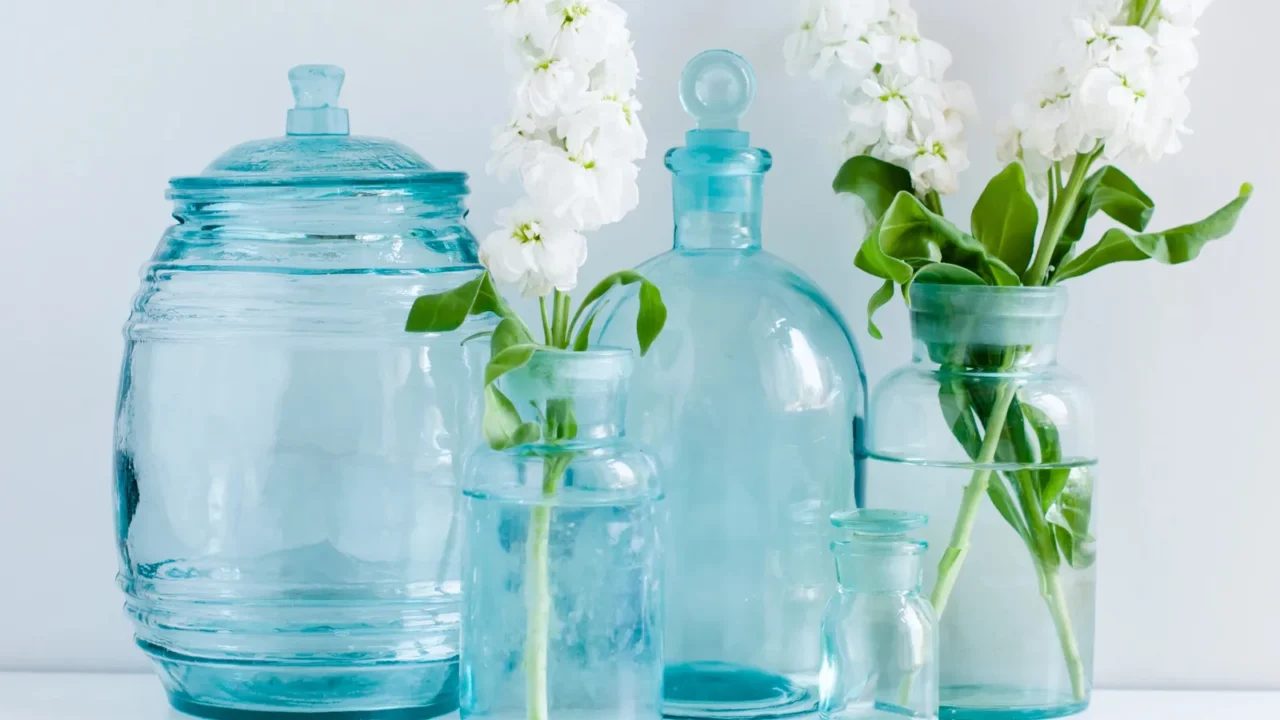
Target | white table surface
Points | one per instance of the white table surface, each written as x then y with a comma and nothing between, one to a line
58,696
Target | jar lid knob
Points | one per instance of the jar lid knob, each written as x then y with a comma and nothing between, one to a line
717,88
315,93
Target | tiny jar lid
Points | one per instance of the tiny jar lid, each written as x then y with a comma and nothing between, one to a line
318,148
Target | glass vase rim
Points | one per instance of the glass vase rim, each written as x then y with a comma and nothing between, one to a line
600,363
1044,300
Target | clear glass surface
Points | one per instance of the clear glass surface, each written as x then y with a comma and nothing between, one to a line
879,636
286,455
1017,629
590,546
752,398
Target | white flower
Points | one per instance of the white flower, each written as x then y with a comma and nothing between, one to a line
1183,13
911,55
520,19
530,249
551,84
891,81
935,163
513,146
832,35
606,129
590,30
1120,86
617,194
618,73
562,185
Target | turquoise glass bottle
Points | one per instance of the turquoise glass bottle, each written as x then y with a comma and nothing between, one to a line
879,635
286,455
752,398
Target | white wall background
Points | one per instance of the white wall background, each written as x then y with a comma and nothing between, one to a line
102,102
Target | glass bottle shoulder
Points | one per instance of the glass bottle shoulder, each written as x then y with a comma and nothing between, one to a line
740,308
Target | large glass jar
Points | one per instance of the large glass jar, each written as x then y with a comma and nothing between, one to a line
563,559
285,452
752,398
989,436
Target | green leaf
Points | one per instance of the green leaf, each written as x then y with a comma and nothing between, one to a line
958,412
652,317
1050,480
584,335
511,349
1070,517
875,181
501,425
476,336
909,230
1005,218
878,300
649,322
944,274
1112,192
872,259
602,288
1172,247
447,311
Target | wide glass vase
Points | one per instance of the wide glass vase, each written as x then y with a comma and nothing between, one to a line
753,398
286,456
563,563
986,433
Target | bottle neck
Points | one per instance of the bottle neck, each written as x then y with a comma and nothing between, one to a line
718,191
578,397
702,230
878,566
988,329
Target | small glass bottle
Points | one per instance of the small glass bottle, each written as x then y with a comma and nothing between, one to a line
563,562
879,636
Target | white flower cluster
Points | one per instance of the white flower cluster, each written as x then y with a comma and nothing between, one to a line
1121,86
574,138
891,80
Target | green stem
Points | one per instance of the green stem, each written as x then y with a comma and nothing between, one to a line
1059,217
953,558
546,326
1150,14
933,201
538,573
538,623
1057,601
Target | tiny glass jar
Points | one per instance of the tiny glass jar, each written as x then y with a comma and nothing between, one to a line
879,636
562,576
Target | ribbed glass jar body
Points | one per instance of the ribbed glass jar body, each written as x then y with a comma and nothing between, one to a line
286,454
563,560
989,436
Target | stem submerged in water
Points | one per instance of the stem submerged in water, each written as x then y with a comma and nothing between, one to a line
1057,601
953,558
538,623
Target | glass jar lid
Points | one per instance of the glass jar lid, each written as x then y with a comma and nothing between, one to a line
318,148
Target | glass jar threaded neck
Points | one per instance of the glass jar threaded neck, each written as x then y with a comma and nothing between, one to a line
985,328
